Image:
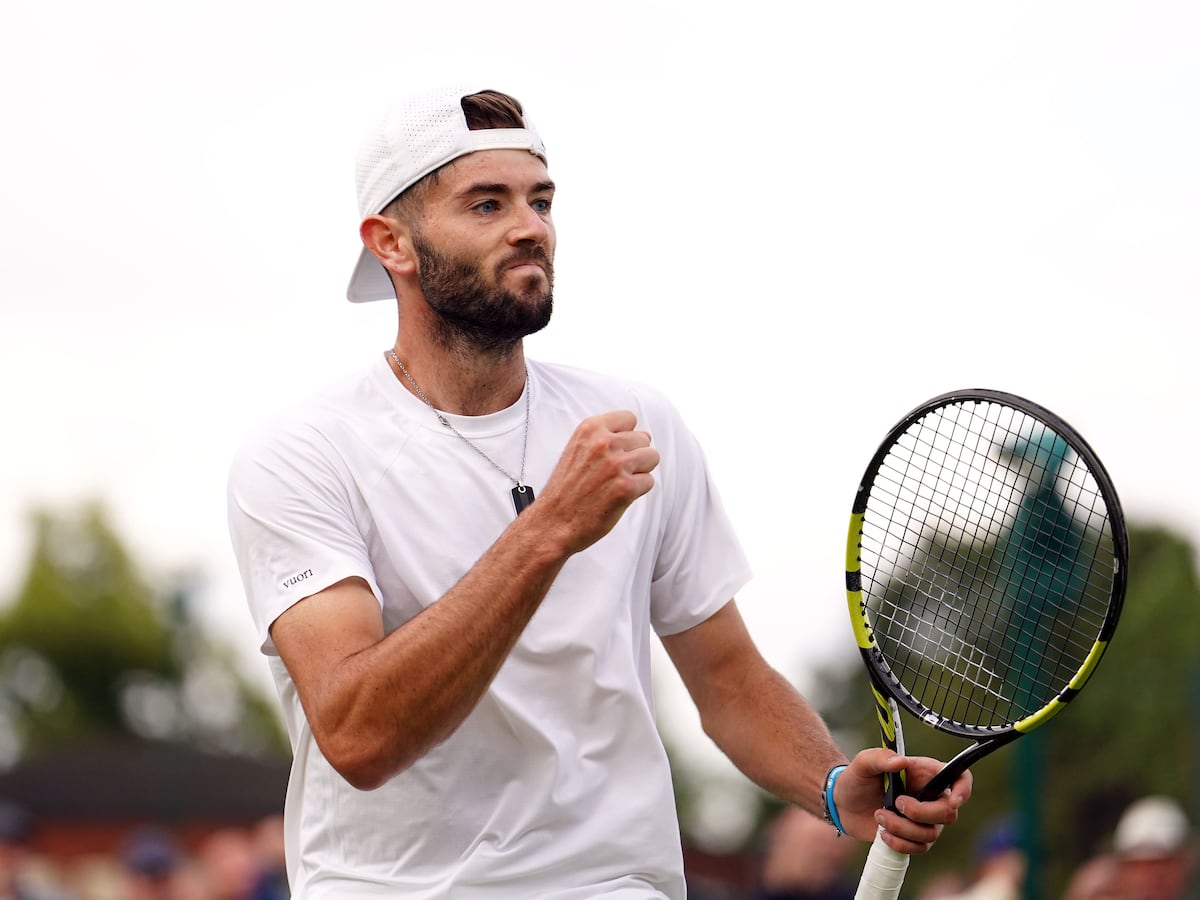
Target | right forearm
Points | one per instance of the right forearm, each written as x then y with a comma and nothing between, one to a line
390,703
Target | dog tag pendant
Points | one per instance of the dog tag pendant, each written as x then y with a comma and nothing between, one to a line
522,496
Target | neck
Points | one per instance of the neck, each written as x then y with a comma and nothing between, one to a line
466,385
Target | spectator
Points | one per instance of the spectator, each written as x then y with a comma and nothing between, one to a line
1000,867
1154,850
1096,879
944,886
230,864
272,883
806,860
150,859
22,876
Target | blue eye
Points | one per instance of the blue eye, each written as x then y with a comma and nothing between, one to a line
542,206
487,206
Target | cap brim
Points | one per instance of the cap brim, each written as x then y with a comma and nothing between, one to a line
370,280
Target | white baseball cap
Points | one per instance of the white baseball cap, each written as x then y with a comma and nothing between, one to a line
1152,827
417,136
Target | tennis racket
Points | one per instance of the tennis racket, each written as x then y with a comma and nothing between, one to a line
985,572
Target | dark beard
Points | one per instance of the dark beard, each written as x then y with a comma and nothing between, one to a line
474,313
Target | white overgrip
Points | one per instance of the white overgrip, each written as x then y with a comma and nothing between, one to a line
883,873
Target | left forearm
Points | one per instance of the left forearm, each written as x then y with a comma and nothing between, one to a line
775,737
751,712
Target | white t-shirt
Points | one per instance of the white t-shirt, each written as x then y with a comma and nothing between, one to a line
556,785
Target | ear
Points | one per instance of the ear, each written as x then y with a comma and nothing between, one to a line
389,240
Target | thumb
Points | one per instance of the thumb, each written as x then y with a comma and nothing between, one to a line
878,761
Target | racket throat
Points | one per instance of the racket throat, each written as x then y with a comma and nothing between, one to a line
942,781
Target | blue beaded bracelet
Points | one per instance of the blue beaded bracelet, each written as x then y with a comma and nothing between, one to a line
828,807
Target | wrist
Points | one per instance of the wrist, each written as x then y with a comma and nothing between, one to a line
829,808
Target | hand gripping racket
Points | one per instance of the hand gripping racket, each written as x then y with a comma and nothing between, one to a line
985,571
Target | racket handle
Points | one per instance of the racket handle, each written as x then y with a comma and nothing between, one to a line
883,873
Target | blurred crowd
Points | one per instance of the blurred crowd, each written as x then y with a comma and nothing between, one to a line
1151,856
230,863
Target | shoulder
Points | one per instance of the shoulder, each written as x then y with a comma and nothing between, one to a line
571,386
326,425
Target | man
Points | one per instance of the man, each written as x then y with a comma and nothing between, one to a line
1154,850
805,860
456,559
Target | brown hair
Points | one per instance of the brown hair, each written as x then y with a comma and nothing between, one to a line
484,110
492,109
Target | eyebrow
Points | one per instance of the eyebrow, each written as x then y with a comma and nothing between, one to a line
499,187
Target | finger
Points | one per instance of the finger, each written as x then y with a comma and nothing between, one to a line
617,420
878,760
942,811
903,845
631,440
643,461
960,791
922,769
907,835
641,484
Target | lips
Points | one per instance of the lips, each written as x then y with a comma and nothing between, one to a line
526,266
536,258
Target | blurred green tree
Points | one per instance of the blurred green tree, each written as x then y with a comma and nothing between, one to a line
91,645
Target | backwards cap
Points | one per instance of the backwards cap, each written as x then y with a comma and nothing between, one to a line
417,136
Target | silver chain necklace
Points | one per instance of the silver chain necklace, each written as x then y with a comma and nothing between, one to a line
522,494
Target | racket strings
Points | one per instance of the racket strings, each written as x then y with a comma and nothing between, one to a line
986,563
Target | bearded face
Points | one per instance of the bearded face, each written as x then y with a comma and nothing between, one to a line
473,305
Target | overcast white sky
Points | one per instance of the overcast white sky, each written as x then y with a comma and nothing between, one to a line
800,220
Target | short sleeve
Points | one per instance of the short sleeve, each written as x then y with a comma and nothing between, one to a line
701,564
292,521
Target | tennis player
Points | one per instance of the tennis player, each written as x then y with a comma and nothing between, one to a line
457,558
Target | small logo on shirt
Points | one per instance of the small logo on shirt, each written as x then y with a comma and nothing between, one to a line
297,578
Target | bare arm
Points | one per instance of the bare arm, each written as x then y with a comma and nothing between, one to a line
751,712
772,734
376,704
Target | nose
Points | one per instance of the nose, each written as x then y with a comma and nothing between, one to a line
530,225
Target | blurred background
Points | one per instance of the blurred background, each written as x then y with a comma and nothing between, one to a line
800,222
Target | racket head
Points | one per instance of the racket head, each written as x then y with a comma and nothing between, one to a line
985,564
